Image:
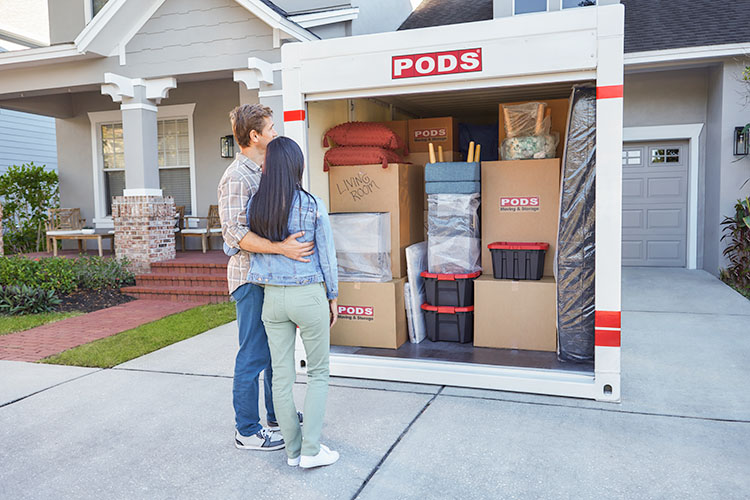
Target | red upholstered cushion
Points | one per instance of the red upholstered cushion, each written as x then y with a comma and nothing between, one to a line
359,155
364,134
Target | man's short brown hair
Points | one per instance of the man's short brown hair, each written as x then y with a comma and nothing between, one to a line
246,118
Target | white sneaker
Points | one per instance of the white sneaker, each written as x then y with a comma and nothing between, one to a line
293,462
325,456
264,440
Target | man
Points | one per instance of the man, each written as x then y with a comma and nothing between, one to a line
253,130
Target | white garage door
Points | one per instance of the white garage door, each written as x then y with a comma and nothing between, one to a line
654,204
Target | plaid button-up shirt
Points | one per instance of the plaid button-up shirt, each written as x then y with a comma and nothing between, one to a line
238,184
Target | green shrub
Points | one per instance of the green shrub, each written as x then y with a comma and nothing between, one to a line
65,275
27,193
94,273
24,299
737,231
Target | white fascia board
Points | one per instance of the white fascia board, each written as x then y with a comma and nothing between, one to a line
36,57
686,54
325,17
275,20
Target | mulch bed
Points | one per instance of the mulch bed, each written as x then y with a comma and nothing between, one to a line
92,300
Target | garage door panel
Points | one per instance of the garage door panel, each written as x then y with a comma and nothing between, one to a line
633,188
632,219
663,250
654,204
665,218
665,187
632,250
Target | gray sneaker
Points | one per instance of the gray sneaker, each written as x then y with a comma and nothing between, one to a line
264,440
274,426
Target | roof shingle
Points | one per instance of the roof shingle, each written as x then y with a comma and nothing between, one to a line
649,24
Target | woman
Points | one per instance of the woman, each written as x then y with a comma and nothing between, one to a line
297,294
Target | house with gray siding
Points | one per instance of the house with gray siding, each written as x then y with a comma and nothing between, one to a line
182,64
684,95
26,138
149,83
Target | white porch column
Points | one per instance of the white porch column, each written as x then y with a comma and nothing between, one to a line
139,98
144,220
264,86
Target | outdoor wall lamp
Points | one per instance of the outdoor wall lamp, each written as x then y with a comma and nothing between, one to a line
227,146
741,146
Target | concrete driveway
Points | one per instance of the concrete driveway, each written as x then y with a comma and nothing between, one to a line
161,426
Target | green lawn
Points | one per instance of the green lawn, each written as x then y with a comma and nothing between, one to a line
130,344
12,324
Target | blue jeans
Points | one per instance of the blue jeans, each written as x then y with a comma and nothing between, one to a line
253,357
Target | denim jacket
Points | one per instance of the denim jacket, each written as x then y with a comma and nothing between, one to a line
273,269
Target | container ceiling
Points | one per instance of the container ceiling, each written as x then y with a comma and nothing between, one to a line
474,102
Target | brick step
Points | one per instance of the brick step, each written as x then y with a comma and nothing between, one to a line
202,294
179,268
182,280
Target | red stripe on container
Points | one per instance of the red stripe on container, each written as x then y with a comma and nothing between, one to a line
607,338
513,245
296,115
607,319
609,92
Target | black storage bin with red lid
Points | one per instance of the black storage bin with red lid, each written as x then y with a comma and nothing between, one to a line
449,289
518,261
449,324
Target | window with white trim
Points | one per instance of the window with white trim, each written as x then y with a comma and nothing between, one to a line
174,161
97,5
176,158
529,6
572,4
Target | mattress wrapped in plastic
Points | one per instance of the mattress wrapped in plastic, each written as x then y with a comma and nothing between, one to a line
416,262
453,238
363,245
574,259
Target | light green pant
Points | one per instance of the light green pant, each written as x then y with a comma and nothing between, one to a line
285,308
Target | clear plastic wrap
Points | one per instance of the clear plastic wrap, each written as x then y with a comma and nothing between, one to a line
574,257
363,245
530,147
529,118
416,262
453,243
454,254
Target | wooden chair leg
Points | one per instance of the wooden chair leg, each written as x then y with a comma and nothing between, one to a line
203,243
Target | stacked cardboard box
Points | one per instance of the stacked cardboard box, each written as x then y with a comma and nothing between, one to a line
520,201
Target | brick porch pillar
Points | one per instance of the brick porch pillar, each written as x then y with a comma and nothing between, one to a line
144,230
143,218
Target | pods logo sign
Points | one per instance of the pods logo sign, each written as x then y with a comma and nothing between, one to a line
436,63
431,135
366,313
519,204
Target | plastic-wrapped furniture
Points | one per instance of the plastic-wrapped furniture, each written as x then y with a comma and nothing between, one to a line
416,261
363,245
453,244
575,252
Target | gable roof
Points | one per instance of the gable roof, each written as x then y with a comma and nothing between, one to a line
442,12
649,24
119,20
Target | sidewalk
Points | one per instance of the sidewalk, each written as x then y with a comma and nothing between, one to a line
161,426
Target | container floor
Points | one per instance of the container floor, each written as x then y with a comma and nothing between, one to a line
467,353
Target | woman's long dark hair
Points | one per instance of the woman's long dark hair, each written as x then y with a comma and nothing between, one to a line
281,179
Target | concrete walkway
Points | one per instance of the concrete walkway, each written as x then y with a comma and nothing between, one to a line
160,426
